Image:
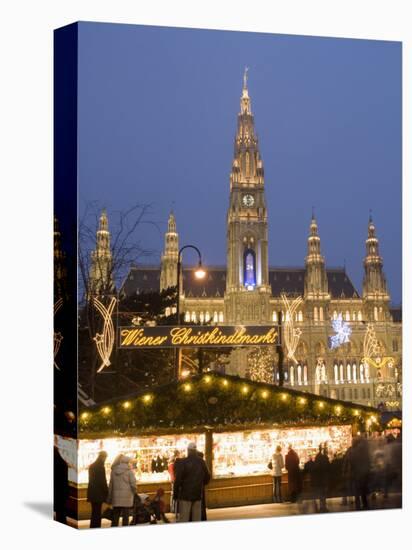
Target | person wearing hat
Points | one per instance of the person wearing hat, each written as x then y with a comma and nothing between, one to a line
191,478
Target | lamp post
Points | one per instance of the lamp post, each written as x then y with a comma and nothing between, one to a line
199,274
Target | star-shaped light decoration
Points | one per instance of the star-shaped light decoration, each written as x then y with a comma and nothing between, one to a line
342,332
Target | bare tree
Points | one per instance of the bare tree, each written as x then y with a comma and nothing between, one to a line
124,248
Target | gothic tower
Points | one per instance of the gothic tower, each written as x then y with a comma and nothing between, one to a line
316,282
168,272
101,270
375,292
247,282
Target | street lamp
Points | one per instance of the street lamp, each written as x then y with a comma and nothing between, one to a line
200,273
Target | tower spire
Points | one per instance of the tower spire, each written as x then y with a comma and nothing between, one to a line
316,282
375,290
169,260
101,271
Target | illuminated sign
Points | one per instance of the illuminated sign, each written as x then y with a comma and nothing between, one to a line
197,336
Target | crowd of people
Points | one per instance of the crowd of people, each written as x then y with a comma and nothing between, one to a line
371,466
367,468
188,475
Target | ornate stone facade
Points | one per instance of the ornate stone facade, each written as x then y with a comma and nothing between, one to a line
364,367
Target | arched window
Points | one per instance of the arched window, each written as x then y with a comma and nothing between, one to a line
201,317
353,315
305,375
347,315
359,316
315,314
375,313
342,375
187,317
167,311
321,313
249,268
207,317
215,317
336,373
323,376
335,315
300,317
366,372
318,374
299,371
193,316
292,376
348,372
361,374
354,373
275,317
221,317
247,161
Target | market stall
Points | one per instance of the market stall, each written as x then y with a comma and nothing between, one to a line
235,422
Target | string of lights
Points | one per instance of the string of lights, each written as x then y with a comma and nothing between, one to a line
219,400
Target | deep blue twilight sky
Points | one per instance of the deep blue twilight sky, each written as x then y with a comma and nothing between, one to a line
157,118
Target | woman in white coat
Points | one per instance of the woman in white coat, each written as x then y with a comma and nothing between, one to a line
277,466
122,489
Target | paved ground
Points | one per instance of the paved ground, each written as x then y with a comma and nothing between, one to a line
285,509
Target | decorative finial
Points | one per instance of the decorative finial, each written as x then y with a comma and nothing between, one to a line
245,78
313,212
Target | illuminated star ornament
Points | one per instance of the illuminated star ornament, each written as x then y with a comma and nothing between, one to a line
342,332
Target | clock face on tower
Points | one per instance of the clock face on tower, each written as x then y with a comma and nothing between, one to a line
248,200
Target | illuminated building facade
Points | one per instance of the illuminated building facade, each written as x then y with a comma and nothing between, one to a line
347,345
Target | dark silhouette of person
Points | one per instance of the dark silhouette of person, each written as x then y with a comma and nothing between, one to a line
320,477
294,477
61,486
97,489
191,477
360,472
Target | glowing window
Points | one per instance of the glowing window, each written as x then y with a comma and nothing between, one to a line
249,269
187,317
321,313
292,376
354,373
215,317
336,373
221,317
193,316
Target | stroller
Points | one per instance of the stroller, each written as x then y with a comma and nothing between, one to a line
146,510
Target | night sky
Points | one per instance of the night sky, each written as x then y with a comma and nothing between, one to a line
157,119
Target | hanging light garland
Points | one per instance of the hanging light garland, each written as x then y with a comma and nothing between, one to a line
241,403
105,340
291,334
58,337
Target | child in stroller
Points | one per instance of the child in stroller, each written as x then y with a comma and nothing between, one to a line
146,510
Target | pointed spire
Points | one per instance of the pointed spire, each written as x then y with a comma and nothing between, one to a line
103,221
374,281
245,107
316,285
171,224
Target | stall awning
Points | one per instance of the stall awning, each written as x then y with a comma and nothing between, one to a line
218,402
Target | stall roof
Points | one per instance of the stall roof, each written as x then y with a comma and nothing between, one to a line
218,402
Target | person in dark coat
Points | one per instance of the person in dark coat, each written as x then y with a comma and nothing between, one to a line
360,471
61,486
191,477
97,489
294,477
320,477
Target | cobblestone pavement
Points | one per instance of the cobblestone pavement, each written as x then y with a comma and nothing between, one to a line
285,509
